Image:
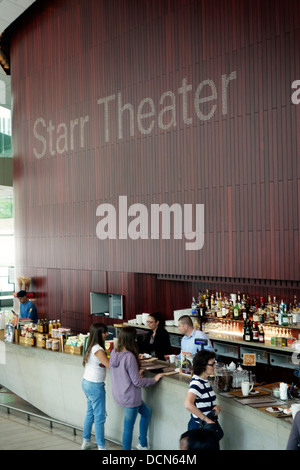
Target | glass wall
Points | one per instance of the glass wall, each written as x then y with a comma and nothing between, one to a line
5,132
6,229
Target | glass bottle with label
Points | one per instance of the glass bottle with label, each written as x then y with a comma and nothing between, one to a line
236,312
285,318
194,311
255,332
248,331
261,334
275,310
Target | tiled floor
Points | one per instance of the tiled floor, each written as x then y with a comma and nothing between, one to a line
17,433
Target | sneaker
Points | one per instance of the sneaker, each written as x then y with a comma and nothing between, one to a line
87,445
101,448
139,447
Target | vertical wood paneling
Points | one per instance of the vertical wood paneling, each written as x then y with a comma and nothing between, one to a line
243,166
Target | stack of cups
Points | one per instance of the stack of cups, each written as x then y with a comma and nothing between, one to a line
283,391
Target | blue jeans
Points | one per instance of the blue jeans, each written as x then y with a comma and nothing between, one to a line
130,415
95,394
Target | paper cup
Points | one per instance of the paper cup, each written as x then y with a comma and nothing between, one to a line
295,407
172,358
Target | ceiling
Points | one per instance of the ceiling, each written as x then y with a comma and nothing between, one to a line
10,10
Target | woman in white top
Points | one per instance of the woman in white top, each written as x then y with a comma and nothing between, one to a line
95,362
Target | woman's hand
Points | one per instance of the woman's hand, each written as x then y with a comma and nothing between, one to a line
217,409
157,377
208,420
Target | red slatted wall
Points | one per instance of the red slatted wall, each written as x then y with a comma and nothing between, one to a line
242,163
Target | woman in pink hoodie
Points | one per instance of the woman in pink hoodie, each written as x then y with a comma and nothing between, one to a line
126,383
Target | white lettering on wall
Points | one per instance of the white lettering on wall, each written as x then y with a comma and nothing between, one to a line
58,139
147,114
171,109
296,94
129,118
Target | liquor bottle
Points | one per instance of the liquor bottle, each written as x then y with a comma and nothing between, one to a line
280,313
207,300
255,333
194,311
236,312
225,306
231,311
219,300
295,315
262,303
244,330
255,314
275,310
290,314
212,301
285,318
238,300
261,334
248,304
262,316
251,330
243,307
248,333
295,305
268,306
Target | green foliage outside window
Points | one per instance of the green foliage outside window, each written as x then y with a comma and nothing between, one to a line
6,208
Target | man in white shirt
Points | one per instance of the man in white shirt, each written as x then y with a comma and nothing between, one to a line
186,328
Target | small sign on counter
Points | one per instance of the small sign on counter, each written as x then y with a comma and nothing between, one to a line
249,359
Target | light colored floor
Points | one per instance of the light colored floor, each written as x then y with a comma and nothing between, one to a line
17,433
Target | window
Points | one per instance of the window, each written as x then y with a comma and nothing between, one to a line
5,132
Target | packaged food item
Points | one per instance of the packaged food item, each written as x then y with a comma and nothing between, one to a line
186,363
55,345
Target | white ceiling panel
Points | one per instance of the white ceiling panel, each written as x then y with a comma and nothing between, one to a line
10,10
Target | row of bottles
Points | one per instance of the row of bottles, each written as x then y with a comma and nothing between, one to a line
253,332
256,333
46,326
242,307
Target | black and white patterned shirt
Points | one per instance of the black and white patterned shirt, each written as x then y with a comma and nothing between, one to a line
205,396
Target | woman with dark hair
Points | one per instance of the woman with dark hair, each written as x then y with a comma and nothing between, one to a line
95,362
157,342
126,384
201,399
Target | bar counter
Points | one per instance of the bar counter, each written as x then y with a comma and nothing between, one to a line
51,381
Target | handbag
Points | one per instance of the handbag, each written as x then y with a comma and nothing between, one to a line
214,427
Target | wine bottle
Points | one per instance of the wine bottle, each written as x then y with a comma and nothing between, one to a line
255,333
261,334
